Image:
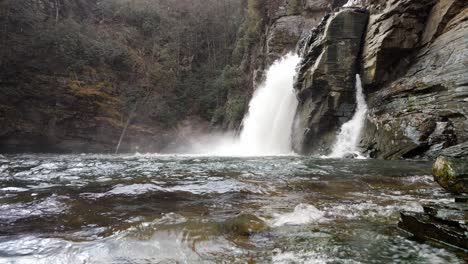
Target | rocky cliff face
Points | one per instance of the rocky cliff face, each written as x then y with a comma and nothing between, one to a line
326,77
413,65
284,23
287,21
415,71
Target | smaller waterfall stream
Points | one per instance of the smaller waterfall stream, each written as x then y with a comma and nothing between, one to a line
351,3
347,140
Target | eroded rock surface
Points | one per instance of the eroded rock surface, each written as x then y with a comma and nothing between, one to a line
414,70
441,224
326,77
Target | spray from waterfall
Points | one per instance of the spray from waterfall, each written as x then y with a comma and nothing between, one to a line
348,138
267,127
351,3
268,124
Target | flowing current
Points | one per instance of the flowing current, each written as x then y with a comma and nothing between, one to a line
268,124
132,209
348,138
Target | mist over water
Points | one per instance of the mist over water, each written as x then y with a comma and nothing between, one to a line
348,138
267,126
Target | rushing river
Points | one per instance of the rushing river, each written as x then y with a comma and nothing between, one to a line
177,209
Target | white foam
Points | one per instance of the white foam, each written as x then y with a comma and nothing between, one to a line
302,214
348,137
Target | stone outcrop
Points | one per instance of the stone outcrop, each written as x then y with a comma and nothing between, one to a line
391,36
413,67
452,174
325,83
414,71
457,151
438,223
288,22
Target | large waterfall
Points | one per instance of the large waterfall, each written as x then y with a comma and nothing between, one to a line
267,127
268,124
348,138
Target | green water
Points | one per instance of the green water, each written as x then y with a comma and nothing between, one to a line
176,209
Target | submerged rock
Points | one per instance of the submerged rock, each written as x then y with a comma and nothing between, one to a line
244,225
452,174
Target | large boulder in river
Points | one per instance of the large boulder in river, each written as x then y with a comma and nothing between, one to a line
452,174
325,82
414,73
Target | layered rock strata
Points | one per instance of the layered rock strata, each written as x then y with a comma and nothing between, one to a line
326,77
413,66
414,71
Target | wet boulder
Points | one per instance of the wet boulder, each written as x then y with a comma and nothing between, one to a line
442,223
244,225
451,174
457,151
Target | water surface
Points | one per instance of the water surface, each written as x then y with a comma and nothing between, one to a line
172,209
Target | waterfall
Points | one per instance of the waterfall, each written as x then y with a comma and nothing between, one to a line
267,126
351,3
268,123
347,140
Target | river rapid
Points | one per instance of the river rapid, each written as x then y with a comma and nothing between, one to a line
176,209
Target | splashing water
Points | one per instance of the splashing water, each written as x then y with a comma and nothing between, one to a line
351,3
267,127
348,137
268,124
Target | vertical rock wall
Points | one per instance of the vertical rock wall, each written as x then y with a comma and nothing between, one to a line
326,77
415,63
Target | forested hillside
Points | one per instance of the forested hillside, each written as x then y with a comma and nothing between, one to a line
78,69
73,74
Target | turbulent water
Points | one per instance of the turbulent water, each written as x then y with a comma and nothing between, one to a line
352,3
348,138
175,209
267,126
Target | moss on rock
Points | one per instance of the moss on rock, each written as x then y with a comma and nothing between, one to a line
244,225
452,174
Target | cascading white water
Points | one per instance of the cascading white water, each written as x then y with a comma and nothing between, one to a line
267,127
268,123
349,135
351,3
